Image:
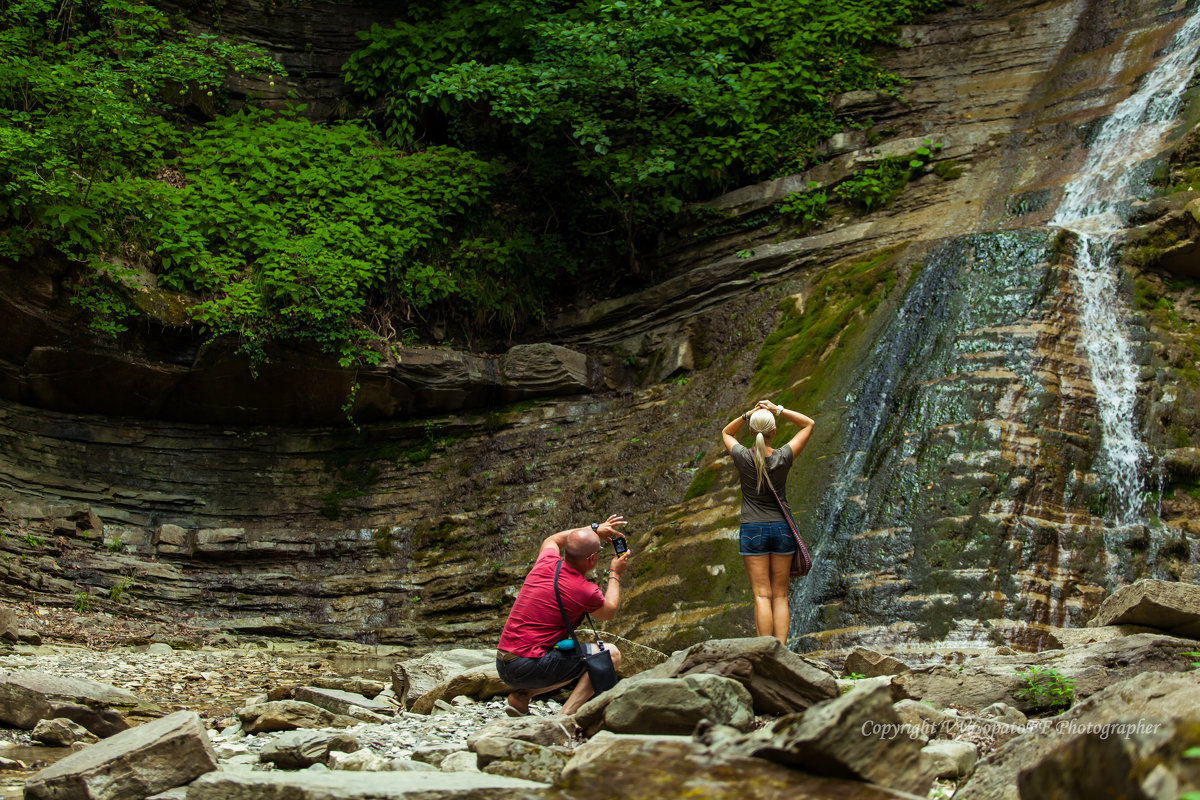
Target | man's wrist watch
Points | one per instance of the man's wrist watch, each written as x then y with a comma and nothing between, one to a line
595,527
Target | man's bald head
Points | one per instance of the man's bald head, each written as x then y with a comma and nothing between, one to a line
582,544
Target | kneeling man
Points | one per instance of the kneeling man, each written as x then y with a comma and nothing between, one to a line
527,659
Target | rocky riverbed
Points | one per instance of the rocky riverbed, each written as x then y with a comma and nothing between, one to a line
174,665
163,712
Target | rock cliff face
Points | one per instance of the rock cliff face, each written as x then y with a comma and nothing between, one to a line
950,492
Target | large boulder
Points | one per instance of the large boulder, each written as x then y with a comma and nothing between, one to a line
303,748
675,768
870,664
340,702
1164,605
848,737
361,786
546,731
1145,708
130,765
518,759
779,681
8,624
1147,764
981,681
480,683
668,706
28,696
949,758
60,732
416,676
289,715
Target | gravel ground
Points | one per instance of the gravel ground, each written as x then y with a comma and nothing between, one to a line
217,675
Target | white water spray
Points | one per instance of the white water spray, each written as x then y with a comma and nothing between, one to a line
1135,132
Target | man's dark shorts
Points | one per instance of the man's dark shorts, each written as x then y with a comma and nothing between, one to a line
554,668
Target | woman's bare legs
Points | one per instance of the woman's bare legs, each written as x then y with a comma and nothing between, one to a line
769,576
758,570
781,569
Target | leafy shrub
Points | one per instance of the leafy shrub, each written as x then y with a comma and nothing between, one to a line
622,111
809,208
289,227
87,91
876,186
530,145
83,602
1043,687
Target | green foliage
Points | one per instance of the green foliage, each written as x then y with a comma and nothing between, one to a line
32,541
923,155
524,141
289,226
384,539
808,208
87,91
118,589
622,111
1044,687
701,483
83,601
876,186
841,298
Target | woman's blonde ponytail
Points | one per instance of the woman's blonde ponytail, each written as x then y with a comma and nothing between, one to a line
761,421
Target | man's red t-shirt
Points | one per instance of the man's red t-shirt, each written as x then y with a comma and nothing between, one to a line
535,623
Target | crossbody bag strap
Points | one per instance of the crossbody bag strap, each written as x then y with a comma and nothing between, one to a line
778,501
561,609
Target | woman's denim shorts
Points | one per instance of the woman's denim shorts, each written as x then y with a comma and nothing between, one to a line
763,538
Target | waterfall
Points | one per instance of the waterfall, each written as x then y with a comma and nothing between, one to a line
960,443
1135,132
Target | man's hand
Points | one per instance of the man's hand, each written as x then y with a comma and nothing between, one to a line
619,563
608,528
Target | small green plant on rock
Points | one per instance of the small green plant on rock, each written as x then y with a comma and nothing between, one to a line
1044,687
118,589
876,186
1191,752
809,208
83,602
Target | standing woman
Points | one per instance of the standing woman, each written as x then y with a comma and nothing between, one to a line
765,542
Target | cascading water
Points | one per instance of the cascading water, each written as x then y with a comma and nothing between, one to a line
966,438
1132,134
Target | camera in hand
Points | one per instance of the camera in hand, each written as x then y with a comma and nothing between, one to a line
619,545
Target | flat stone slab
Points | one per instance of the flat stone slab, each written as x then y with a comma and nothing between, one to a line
1165,605
361,786
131,765
28,696
339,702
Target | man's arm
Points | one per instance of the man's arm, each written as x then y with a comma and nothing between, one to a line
605,530
612,591
557,541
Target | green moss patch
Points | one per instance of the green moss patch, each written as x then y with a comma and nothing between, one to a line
836,307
